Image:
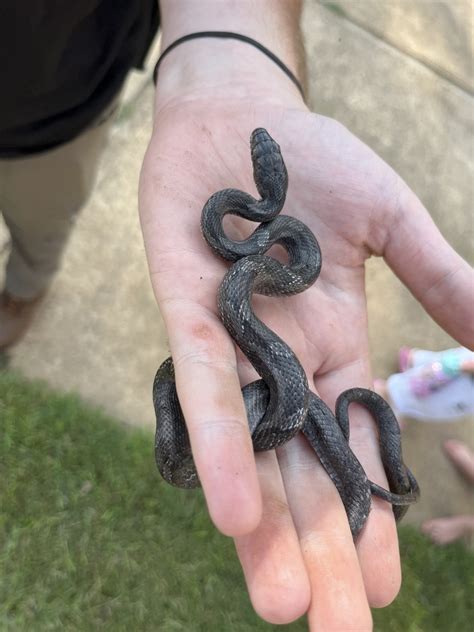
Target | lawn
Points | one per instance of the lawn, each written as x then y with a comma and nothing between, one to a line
91,538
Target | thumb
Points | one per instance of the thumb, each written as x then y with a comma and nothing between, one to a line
433,271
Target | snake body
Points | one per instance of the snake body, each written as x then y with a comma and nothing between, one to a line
280,404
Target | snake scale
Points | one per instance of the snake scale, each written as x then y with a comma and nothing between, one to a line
279,404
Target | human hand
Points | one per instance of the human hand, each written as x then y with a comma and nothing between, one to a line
291,532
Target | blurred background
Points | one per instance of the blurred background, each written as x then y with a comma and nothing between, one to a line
398,74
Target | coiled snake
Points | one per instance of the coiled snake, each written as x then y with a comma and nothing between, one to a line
279,404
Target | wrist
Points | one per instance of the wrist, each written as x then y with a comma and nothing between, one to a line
275,23
226,66
223,68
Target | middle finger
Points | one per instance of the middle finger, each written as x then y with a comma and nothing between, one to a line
339,600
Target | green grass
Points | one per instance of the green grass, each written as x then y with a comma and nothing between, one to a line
91,538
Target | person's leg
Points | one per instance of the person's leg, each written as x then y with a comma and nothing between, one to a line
462,457
447,530
452,528
40,197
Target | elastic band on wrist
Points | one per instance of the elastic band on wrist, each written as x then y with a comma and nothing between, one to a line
229,35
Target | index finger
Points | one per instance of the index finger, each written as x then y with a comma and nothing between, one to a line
209,392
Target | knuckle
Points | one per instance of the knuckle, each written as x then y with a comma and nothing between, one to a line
275,509
320,542
205,357
202,341
231,426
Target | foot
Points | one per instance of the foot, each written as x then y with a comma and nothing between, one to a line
446,530
16,315
461,457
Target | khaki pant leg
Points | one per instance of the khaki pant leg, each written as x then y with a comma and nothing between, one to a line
40,197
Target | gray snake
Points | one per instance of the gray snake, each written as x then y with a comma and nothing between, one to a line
280,404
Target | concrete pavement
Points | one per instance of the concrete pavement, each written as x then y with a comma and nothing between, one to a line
436,33
376,67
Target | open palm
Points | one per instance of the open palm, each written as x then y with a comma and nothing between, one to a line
291,532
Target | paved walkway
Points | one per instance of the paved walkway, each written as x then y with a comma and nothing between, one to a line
398,74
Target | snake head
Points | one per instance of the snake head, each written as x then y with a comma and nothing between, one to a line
269,172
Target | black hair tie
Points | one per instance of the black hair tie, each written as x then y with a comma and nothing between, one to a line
229,35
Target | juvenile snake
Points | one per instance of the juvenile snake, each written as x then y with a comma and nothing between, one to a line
280,404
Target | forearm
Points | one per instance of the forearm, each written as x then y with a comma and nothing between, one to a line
225,64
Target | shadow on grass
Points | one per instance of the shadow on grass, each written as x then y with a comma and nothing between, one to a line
4,360
91,537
